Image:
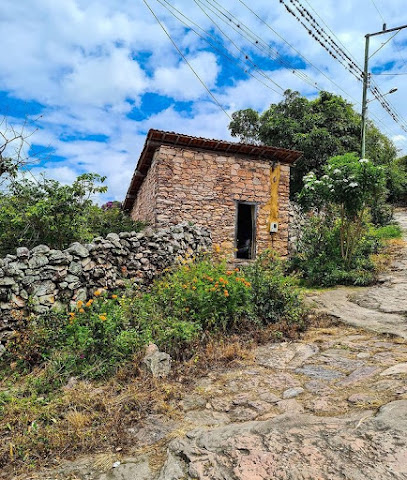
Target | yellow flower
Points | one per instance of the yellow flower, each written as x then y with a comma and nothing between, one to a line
71,314
79,303
229,272
194,288
102,317
81,310
184,286
89,303
97,293
187,309
226,293
114,296
248,284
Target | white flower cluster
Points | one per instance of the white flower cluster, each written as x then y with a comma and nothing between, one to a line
363,160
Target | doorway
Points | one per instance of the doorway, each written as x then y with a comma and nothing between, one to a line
245,230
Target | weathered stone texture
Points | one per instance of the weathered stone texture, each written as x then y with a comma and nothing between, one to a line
46,279
203,188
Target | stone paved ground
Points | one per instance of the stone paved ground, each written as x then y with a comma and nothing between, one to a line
331,406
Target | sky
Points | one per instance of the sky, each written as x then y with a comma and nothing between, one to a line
87,80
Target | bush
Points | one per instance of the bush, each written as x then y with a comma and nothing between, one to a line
189,304
274,295
318,259
46,212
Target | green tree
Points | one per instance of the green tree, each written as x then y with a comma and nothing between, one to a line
321,128
47,212
346,190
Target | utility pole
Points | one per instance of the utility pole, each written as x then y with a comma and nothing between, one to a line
366,81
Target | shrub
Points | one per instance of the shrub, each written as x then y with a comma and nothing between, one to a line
191,303
319,261
47,212
274,295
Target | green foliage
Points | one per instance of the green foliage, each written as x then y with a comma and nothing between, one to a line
188,304
386,232
345,191
274,295
44,211
320,128
319,261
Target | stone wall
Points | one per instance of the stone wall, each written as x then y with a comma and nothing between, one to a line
296,224
41,279
204,188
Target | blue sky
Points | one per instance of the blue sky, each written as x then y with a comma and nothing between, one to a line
88,79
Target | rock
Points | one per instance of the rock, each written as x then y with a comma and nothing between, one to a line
40,250
400,368
37,261
78,250
293,392
359,375
129,469
362,398
319,373
23,252
157,363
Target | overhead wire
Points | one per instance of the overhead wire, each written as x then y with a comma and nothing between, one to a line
186,61
171,8
258,42
255,40
198,3
303,16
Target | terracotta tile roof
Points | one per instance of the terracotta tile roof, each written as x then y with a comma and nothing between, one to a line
156,138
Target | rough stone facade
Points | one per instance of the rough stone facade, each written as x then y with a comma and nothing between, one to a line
42,279
297,221
204,187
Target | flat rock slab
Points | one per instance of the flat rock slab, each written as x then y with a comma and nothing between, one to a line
320,373
400,368
306,447
285,355
338,304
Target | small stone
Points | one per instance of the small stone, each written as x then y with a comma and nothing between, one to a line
363,355
320,373
23,252
158,364
361,398
292,392
40,249
78,250
359,375
395,369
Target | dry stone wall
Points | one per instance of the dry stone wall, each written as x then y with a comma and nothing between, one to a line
40,279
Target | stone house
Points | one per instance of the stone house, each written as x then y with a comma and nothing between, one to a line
239,191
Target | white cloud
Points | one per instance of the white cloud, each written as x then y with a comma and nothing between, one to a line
89,63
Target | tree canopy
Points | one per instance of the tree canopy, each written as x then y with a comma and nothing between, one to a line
44,211
321,128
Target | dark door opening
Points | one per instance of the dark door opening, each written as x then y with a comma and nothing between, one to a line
245,230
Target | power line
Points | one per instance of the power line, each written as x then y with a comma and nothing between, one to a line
228,57
303,16
378,11
187,62
240,28
236,46
298,52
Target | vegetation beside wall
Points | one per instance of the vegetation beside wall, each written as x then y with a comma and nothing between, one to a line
192,310
339,240
43,211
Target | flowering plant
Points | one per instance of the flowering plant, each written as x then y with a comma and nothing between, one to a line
347,188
